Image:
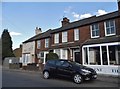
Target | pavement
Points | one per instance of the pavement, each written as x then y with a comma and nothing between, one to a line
100,77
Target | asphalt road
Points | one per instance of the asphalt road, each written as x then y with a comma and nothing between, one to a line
0,76
34,79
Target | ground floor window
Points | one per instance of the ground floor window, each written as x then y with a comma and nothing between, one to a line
42,56
62,53
85,55
26,59
94,56
102,54
57,51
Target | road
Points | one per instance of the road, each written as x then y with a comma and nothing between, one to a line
0,76
34,79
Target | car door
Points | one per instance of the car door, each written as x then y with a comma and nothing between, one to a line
52,67
64,69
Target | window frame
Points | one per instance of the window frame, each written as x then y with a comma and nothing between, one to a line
64,36
91,30
47,43
56,38
76,35
106,34
38,44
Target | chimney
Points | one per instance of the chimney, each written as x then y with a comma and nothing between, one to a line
65,21
38,31
119,5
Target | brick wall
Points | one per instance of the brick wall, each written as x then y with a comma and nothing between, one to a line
71,35
85,32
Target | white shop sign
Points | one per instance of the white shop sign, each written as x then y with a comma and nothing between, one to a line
106,69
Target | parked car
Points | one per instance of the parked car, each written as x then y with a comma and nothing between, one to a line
77,72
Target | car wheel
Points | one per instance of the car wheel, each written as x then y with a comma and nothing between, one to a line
46,74
77,78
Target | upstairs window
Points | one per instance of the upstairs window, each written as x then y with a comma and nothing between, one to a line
76,34
56,38
64,36
38,44
110,28
94,30
46,43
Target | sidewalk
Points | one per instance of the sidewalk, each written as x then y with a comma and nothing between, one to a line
108,78
104,78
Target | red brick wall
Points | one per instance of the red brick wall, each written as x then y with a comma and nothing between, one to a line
102,29
84,33
60,37
43,46
71,35
117,21
52,39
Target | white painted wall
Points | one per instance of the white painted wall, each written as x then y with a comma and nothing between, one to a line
45,52
28,53
29,47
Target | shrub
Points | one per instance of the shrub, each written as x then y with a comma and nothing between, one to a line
51,56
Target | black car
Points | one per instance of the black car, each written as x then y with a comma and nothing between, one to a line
68,68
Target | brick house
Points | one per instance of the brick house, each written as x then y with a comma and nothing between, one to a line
93,42
43,42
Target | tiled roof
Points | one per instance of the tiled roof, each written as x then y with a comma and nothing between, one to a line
103,40
75,24
39,36
87,21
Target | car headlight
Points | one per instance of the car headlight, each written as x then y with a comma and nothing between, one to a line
85,72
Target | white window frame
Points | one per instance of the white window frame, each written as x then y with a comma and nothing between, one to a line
64,36
109,27
64,54
76,34
46,42
94,31
57,51
38,44
56,38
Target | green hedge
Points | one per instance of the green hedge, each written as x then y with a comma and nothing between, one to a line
51,56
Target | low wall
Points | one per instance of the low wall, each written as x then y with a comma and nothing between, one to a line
15,66
12,62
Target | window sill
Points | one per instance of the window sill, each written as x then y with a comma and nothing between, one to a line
110,34
95,37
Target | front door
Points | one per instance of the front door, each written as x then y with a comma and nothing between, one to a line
77,57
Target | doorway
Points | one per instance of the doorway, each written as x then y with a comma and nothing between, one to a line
77,57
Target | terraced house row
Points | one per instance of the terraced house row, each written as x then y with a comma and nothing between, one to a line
94,42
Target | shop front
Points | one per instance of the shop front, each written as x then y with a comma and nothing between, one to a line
104,57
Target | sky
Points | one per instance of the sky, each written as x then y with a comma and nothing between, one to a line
21,18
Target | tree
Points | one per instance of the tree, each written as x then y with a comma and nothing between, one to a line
6,45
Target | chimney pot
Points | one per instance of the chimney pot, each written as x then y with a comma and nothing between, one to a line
38,31
65,21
